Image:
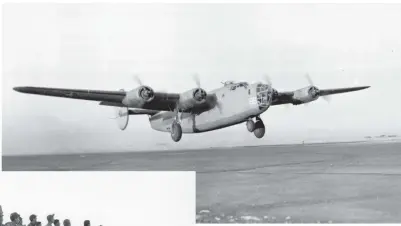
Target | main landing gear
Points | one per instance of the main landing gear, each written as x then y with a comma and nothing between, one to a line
176,130
258,127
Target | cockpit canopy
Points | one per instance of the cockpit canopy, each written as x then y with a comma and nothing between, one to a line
227,83
234,85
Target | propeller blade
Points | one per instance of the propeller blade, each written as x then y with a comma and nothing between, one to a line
219,106
115,113
327,98
267,79
197,80
138,80
309,79
216,103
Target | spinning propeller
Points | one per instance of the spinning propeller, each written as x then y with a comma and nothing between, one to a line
267,79
202,94
137,79
314,91
146,92
196,80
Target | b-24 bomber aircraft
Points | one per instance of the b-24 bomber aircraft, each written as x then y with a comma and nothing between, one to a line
196,111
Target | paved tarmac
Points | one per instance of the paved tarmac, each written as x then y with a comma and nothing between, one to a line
339,183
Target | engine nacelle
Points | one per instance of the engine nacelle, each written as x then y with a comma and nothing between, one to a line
139,96
191,99
305,95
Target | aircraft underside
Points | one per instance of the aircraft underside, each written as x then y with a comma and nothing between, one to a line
190,124
196,124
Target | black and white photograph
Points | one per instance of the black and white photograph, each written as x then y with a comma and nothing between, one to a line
96,198
287,113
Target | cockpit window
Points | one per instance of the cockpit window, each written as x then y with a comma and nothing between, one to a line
234,86
231,83
227,83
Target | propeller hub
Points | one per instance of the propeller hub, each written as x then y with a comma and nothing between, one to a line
314,91
199,94
146,93
275,93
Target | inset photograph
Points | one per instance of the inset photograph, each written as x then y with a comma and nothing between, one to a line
97,199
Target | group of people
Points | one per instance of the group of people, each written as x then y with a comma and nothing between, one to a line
16,220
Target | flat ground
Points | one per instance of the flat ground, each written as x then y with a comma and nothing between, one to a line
341,183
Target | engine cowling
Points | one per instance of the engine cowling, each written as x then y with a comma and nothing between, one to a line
191,99
139,96
306,95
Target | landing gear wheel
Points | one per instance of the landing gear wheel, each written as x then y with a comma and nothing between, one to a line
250,125
176,131
259,129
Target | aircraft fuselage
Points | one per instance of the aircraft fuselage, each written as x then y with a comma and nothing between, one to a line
238,103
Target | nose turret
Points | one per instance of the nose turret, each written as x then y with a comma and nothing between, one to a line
264,95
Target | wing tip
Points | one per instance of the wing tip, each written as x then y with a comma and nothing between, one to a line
26,89
364,87
20,89
358,88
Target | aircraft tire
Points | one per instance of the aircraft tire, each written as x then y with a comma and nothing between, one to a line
250,125
176,131
260,129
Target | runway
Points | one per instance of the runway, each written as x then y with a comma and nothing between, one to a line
339,183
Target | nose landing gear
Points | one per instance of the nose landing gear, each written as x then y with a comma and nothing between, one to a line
250,125
258,127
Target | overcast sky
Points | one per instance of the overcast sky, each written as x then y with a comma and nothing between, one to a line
106,198
100,46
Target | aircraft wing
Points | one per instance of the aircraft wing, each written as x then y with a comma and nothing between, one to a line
325,92
83,94
293,97
282,98
160,102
